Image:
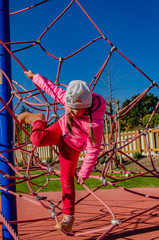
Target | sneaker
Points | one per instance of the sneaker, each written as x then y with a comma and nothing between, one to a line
29,118
66,224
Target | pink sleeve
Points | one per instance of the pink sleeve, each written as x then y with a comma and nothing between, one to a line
50,88
92,152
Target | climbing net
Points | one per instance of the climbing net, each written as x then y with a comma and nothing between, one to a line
36,100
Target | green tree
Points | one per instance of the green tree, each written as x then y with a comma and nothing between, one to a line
134,118
24,109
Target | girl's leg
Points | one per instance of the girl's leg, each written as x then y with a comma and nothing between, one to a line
41,136
68,162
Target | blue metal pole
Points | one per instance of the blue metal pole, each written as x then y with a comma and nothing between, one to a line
8,201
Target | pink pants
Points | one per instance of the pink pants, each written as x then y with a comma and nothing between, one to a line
42,136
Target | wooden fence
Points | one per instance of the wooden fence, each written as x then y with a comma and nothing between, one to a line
138,145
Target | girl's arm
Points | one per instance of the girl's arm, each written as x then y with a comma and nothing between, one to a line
92,152
48,86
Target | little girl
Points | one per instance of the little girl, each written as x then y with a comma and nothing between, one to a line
81,127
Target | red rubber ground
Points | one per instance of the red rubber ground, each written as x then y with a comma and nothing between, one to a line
90,214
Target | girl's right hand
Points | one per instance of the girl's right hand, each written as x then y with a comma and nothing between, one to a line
29,74
80,181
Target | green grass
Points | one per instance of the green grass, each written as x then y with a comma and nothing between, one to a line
54,185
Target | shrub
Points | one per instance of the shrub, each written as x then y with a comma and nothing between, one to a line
20,163
137,155
154,121
103,159
49,160
117,157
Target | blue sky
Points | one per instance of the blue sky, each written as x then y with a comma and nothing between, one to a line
131,25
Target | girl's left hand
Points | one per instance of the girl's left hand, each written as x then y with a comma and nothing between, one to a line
29,74
80,181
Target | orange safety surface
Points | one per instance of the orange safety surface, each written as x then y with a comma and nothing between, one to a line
91,214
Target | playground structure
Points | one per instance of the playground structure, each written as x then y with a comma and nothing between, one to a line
36,100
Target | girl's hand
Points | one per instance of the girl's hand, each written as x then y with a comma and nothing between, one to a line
80,181
29,74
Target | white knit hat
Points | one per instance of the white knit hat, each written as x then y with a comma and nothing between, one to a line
78,95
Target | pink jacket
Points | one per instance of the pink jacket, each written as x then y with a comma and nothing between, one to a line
80,140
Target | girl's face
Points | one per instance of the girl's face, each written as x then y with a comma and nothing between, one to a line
76,112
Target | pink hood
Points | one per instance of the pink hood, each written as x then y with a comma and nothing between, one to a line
80,140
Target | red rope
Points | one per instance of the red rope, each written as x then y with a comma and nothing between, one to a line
29,7
9,227
112,145
55,20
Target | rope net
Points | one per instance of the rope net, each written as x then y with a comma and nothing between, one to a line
37,101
